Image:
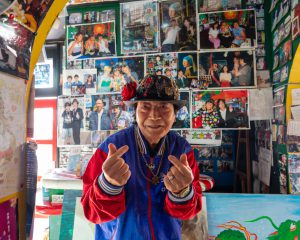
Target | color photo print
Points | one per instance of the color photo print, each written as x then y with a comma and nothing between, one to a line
15,51
71,116
218,5
182,67
178,29
79,82
99,137
227,69
115,115
91,40
114,73
227,29
29,13
139,24
227,109
183,117
92,16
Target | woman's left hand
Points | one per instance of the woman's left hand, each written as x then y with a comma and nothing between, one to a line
180,175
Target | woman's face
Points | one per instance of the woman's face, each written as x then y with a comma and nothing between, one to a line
209,106
172,13
225,69
186,23
221,105
90,79
155,119
79,38
185,63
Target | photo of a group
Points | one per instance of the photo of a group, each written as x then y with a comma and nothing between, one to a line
71,117
91,40
139,27
220,109
110,108
114,73
218,5
79,82
227,29
227,69
181,67
178,29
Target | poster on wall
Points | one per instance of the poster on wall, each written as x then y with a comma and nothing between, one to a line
94,16
226,109
178,28
227,29
203,137
263,224
218,5
71,121
79,82
12,133
43,74
183,119
115,115
114,73
15,52
139,24
8,220
227,69
91,40
181,67
30,13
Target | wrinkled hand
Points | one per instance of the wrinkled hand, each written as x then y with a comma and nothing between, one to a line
180,174
115,170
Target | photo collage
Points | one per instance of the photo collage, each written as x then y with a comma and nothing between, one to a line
161,38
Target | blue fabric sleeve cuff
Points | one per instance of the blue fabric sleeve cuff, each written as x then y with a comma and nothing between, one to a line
188,197
107,187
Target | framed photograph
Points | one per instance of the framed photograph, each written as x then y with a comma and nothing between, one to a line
114,114
226,109
71,114
183,117
203,137
263,79
91,40
43,74
139,24
218,5
29,14
98,137
227,69
295,27
227,29
114,73
178,28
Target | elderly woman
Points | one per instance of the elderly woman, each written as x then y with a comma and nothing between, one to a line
143,180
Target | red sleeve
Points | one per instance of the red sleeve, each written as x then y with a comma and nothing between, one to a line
189,209
98,206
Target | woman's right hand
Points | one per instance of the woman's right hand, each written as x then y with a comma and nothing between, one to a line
115,170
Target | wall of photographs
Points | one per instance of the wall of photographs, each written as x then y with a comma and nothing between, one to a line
214,50
284,36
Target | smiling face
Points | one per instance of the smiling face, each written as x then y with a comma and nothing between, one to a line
155,119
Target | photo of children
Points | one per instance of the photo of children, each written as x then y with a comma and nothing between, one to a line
227,29
220,109
91,40
29,13
227,69
106,112
178,29
218,5
114,73
139,24
183,115
71,112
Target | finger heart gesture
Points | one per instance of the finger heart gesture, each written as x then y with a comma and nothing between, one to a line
115,170
180,174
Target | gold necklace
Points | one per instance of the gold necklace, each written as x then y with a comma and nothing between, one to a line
155,178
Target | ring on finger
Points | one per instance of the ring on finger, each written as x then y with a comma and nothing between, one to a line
171,177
